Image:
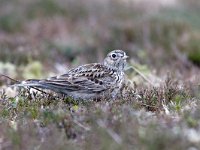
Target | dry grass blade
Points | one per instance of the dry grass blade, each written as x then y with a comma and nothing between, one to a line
141,74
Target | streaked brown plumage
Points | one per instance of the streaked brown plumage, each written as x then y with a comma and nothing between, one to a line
88,81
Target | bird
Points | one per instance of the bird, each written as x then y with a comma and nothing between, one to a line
89,81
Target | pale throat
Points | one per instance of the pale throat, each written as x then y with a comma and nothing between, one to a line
118,66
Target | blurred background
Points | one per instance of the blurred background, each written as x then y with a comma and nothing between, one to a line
43,37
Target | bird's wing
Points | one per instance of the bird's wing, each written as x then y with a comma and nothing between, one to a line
87,78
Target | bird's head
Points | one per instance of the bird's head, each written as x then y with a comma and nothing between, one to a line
116,59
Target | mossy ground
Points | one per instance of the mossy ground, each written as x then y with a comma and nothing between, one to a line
43,38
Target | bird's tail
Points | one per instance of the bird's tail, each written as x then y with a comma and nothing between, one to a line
28,83
31,83
35,84
20,83
42,84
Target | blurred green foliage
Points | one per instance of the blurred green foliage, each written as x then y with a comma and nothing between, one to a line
44,8
8,68
100,26
10,23
32,70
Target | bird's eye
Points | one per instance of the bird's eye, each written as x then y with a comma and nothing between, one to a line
114,55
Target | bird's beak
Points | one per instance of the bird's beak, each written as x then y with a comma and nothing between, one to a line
125,57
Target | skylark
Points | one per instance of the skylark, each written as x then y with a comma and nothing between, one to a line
90,81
